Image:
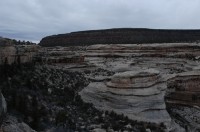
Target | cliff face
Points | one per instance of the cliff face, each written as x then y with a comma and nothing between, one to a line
121,36
10,54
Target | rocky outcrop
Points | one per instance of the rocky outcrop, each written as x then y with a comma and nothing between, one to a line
146,77
58,55
121,36
135,79
184,89
170,50
136,94
7,54
17,54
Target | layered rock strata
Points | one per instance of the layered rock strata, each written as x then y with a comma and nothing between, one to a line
134,79
136,94
167,50
16,54
58,55
143,74
184,89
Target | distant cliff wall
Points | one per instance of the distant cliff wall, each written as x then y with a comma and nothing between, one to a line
121,36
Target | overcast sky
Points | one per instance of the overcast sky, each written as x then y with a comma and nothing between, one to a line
35,19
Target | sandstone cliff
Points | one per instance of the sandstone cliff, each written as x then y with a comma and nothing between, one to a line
121,36
16,54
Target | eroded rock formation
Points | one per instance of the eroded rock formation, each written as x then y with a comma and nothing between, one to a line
136,94
145,74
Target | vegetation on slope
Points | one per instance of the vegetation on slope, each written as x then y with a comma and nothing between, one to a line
7,41
46,98
121,36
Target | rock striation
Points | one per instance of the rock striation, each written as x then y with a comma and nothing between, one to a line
16,54
121,36
167,50
58,55
185,85
148,79
134,79
136,94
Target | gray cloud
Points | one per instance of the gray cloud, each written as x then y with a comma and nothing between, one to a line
34,19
